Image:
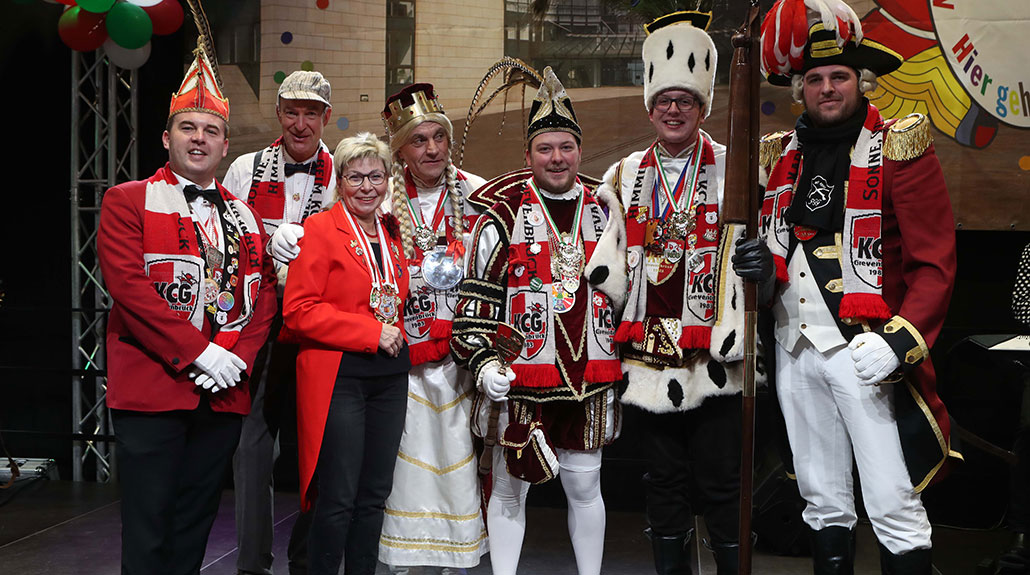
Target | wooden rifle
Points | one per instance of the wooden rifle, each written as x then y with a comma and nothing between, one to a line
740,207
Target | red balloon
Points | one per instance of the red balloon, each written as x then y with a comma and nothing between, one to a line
166,16
82,30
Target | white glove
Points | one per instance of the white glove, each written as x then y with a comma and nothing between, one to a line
494,383
283,245
204,380
222,366
874,359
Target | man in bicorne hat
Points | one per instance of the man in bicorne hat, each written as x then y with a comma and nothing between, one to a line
194,298
285,183
680,331
435,495
557,399
857,253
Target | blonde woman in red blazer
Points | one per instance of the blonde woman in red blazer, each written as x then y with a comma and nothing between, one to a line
343,302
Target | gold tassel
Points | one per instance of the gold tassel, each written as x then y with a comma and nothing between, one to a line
770,148
907,138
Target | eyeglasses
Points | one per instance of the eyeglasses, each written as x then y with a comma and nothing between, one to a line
683,103
355,179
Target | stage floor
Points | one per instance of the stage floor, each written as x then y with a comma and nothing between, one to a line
66,528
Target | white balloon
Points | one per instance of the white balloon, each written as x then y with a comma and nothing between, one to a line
127,59
145,3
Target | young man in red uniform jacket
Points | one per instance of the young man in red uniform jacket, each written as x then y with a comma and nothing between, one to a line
194,298
857,256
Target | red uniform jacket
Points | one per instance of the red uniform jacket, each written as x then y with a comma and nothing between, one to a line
326,307
919,265
149,347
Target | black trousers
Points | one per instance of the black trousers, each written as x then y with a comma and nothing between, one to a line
172,466
273,391
354,474
694,467
1019,493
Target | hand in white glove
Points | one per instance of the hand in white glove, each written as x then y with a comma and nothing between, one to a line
222,366
494,383
283,245
874,359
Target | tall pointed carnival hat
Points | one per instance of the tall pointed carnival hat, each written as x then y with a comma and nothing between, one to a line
551,110
679,53
201,89
798,35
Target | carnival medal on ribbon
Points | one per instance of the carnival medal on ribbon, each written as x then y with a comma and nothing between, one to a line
568,259
678,216
384,298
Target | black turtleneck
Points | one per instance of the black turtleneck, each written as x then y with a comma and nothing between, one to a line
819,198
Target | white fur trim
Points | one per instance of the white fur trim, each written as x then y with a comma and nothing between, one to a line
668,54
729,302
649,388
610,250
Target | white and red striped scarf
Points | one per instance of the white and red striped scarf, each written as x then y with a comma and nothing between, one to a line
698,313
428,312
171,255
268,187
861,265
528,304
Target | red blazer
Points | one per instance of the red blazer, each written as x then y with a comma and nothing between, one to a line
148,346
326,307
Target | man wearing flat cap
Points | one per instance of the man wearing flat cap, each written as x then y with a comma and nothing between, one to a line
285,182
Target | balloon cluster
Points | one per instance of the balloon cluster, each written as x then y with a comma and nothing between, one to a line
122,27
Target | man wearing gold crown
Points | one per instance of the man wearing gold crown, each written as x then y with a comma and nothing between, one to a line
194,298
557,405
433,513
857,253
681,350
285,182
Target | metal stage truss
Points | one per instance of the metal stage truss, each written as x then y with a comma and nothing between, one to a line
104,151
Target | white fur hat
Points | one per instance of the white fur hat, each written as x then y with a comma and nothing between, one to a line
678,53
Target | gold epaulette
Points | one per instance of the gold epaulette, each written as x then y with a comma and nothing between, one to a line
770,147
907,138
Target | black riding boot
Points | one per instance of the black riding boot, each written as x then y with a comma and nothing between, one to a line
833,551
727,558
671,553
915,562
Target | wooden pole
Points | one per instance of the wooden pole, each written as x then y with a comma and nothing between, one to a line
740,206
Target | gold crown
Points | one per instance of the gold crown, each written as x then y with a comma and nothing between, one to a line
399,115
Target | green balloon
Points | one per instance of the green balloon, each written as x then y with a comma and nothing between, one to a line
95,6
129,26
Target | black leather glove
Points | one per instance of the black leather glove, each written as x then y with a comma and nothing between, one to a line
753,261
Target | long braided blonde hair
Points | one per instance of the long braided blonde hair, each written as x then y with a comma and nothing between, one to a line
398,190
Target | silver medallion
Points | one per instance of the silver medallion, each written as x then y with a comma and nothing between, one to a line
441,270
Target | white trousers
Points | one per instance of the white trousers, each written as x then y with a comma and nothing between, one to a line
831,419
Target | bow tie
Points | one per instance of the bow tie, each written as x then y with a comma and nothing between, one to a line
193,192
298,168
